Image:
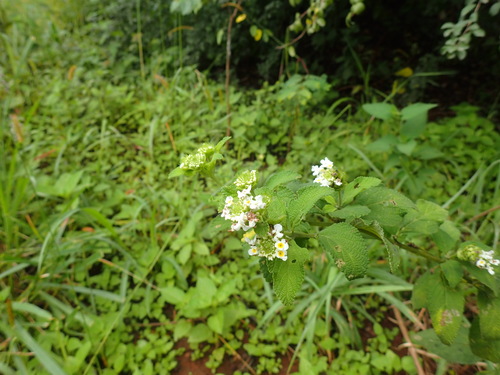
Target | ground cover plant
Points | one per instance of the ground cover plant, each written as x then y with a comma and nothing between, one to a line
108,266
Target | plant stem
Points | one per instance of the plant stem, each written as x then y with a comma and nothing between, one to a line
301,235
411,248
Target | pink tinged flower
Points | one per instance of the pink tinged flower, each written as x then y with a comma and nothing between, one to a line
337,182
495,262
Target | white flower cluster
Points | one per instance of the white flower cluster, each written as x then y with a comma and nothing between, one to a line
326,174
272,246
243,212
486,261
196,160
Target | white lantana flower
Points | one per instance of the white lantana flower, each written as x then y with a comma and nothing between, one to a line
326,174
486,261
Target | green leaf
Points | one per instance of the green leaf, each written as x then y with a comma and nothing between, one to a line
414,110
280,178
415,119
425,219
447,236
44,358
483,277
423,289
306,199
221,143
288,275
177,172
384,144
348,248
173,295
445,307
383,111
406,148
489,315
358,185
391,250
458,352
481,345
32,310
199,333
276,210
351,212
387,207
453,272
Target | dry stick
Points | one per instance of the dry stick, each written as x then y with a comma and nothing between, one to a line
171,136
411,349
237,355
478,216
228,64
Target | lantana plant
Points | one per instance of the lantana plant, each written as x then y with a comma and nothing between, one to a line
283,218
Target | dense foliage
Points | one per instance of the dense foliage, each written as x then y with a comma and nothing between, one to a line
107,266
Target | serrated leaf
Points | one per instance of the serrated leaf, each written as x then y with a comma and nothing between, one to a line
266,269
453,272
348,248
280,178
288,275
351,212
447,236
481,346
276,211
387,207
358,185
306,199
489,315
383,111
422,290
445,306
391,250
483,277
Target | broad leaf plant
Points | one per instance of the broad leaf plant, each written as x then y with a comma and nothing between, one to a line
278,217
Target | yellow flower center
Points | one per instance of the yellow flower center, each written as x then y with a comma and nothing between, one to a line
281,253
